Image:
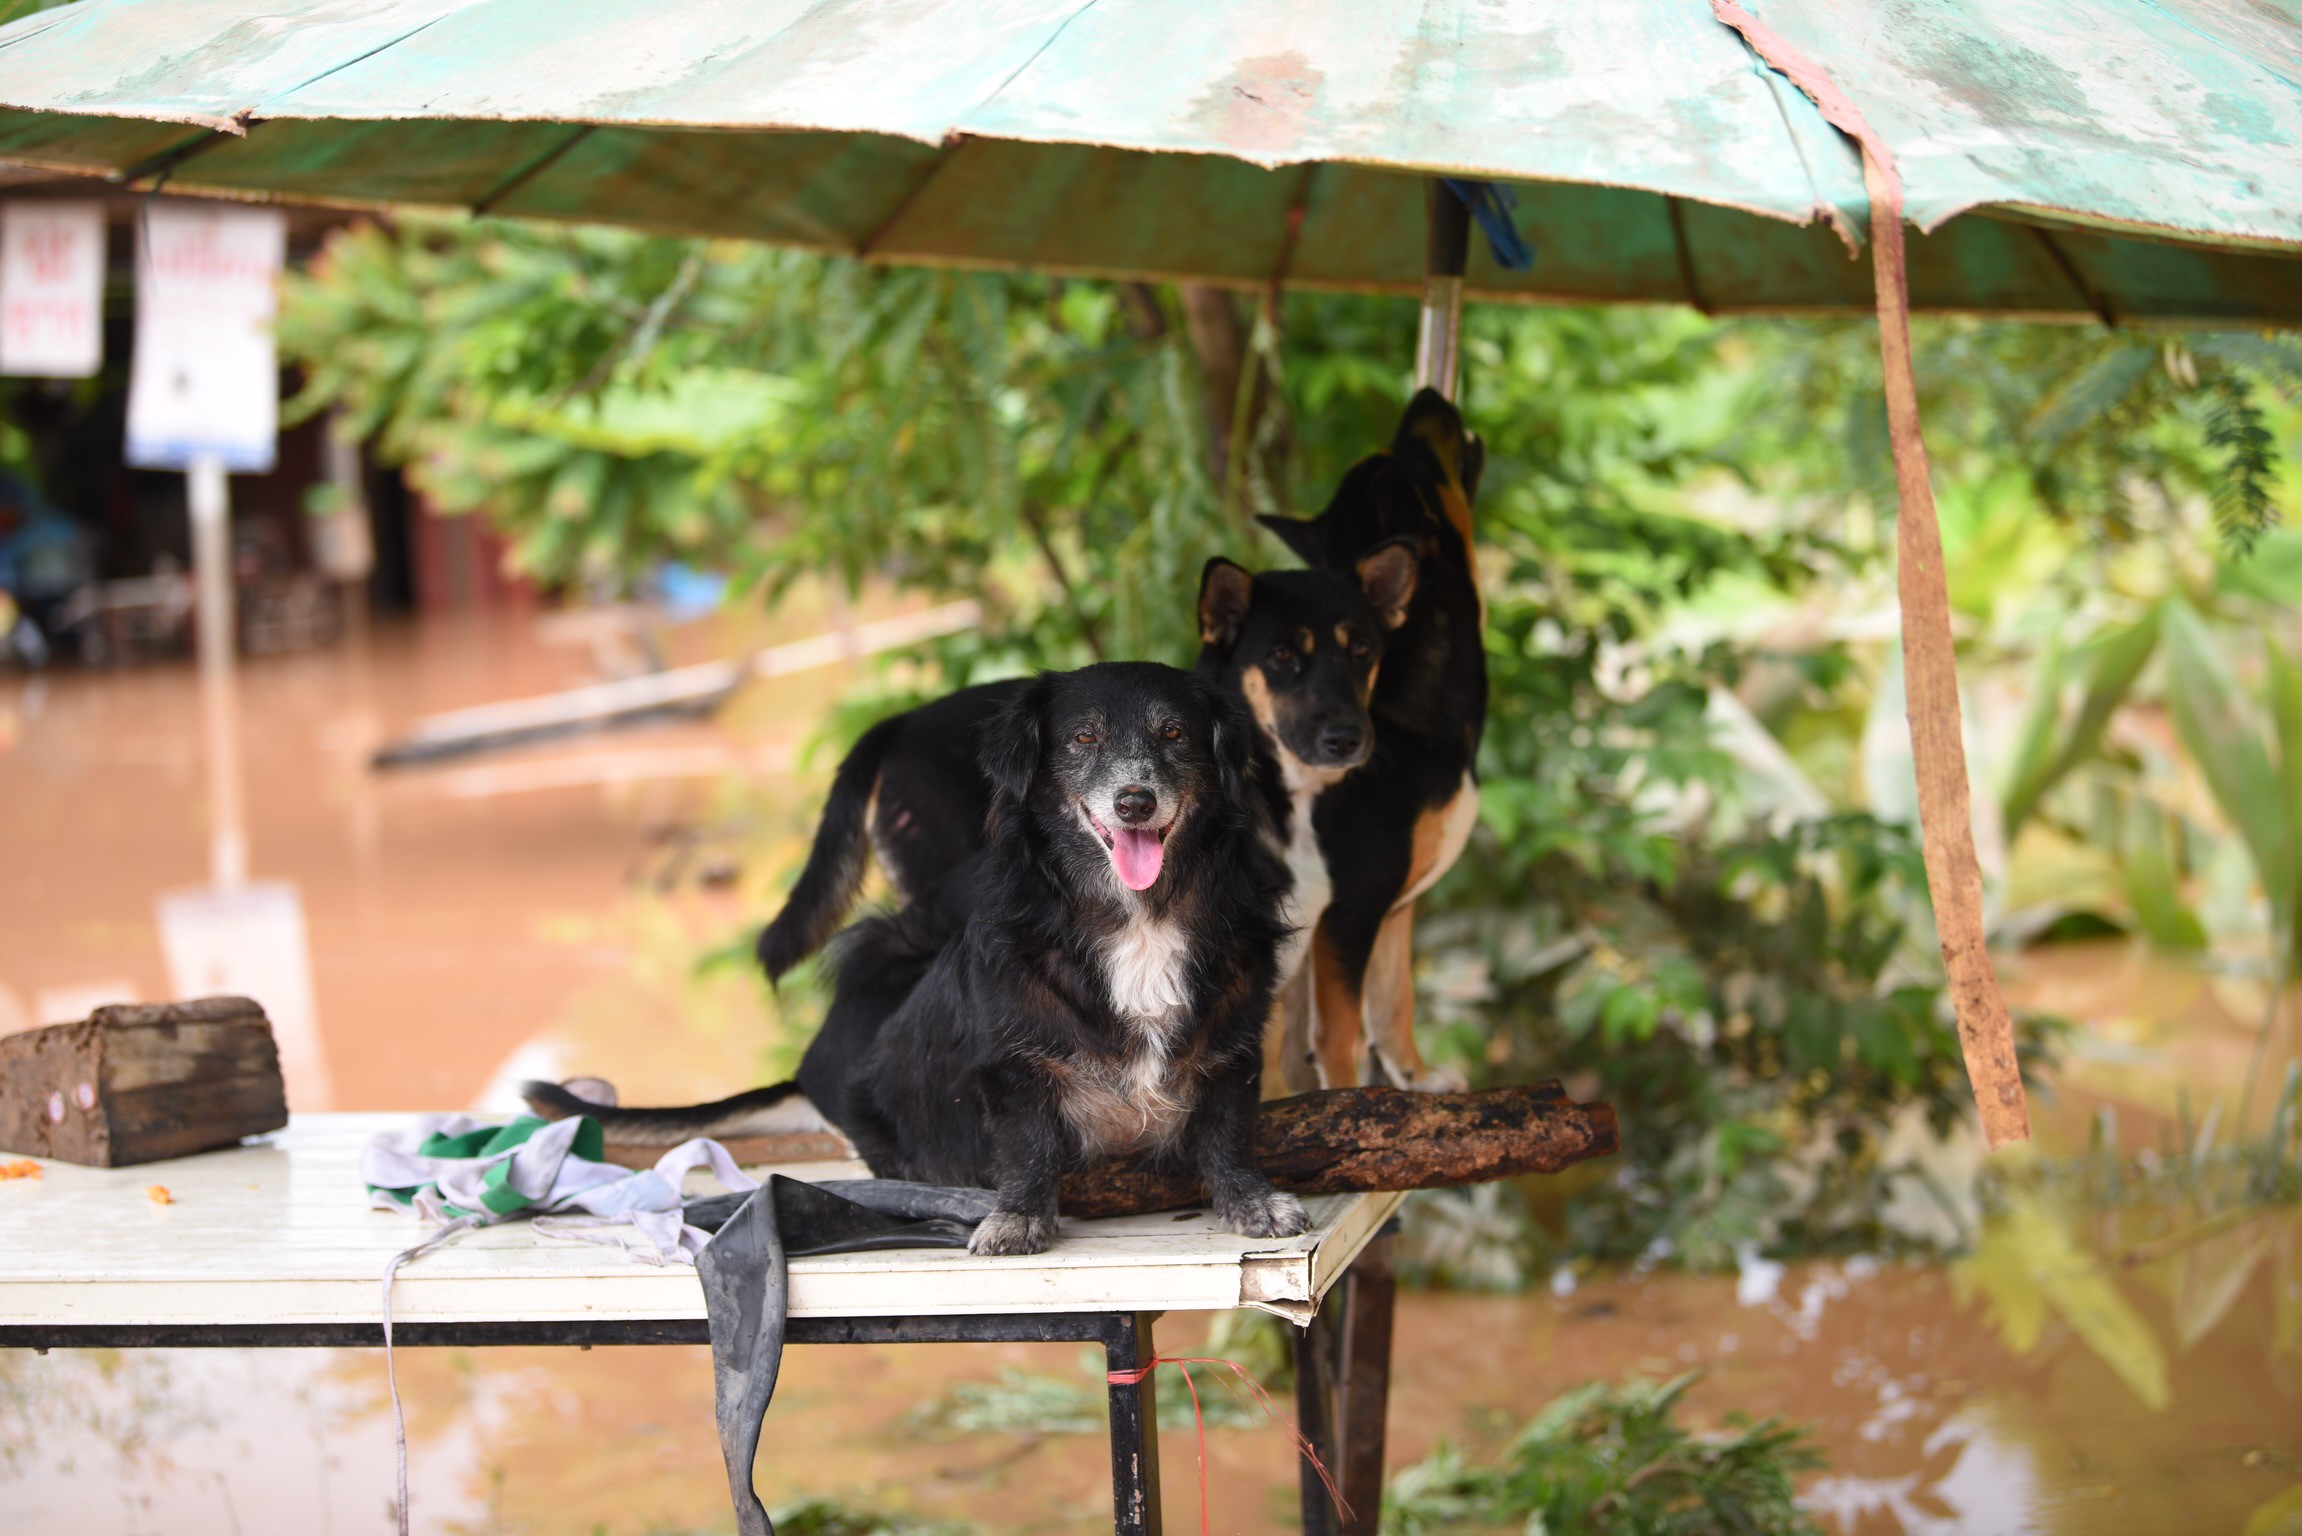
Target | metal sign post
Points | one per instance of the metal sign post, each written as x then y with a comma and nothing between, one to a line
211,510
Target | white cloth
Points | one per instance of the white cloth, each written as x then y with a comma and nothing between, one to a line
572,1197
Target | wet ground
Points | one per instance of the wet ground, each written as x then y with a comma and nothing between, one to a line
465,926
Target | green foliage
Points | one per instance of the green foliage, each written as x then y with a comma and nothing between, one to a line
2234,428
17,10
2109,430
2247,752
1603,1460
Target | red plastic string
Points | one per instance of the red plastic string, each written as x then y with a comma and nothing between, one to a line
1199,1421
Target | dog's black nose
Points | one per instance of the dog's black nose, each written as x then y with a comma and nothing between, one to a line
1135,804
1337,742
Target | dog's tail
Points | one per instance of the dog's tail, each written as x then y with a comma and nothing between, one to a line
834,873
779,1109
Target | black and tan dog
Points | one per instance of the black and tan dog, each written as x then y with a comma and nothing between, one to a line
1104,992
1387,830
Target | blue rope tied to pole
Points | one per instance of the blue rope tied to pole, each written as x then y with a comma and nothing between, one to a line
1491,203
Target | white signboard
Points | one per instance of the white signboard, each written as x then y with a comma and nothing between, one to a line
205,381
52,289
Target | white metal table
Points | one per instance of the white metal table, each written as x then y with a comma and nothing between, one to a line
272,1244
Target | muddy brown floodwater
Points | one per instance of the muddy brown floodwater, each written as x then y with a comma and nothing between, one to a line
542,911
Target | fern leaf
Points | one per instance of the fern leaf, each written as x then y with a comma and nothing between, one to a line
2243,510
2087,392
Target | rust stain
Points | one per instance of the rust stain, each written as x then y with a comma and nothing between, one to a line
1261,108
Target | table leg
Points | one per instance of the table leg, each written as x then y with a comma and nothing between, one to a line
1363,1395
1314,1416
1342,1395
1134,1427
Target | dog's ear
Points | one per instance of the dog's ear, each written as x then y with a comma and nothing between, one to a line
1232,742
1012,745
1387,575
1432,421
1225,591
1299,534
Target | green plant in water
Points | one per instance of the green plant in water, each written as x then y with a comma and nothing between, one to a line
2205,1213
1606,1460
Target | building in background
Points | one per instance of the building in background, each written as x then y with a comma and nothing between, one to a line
95,556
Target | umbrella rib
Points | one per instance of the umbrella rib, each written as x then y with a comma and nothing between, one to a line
2093,300
165,162
865,247
1686,254
1052,39
1772,78
531,170
357,58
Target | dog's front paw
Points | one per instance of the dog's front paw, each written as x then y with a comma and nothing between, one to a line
1012,1232
1439,1080
1264,1213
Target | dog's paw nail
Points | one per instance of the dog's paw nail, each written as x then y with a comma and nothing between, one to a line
1012,1232
1270,1214
1439,1080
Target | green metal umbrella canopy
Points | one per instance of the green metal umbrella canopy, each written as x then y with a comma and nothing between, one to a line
2123,159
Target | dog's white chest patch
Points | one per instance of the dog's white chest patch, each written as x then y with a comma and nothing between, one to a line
1131,1100
1146,966
1311,888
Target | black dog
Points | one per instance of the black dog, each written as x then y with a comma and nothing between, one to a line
1107,994
1107,989
1389,829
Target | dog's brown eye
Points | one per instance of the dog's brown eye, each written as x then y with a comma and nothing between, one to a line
1171,732
1360,650
1284,655
1085,738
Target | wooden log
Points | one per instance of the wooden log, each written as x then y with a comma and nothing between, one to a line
137,1083
1351,1140
1337,1141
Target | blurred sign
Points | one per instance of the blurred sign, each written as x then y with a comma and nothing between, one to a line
205,381
52,289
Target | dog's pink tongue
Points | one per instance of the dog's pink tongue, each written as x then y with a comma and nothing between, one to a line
1137,856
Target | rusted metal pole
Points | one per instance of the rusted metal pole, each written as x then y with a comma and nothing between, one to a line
1439,339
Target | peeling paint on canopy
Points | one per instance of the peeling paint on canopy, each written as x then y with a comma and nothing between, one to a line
2130,156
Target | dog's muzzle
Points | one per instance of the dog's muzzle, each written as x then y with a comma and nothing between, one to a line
1135,837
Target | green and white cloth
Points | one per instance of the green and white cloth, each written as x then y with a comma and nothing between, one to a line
454,1169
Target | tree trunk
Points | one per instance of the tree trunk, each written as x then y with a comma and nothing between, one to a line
1219,339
